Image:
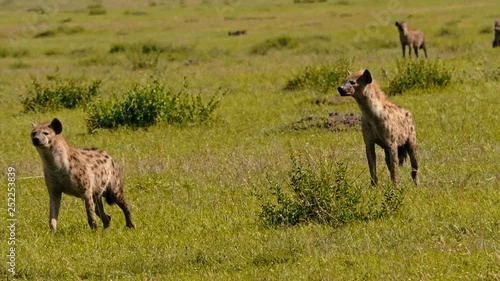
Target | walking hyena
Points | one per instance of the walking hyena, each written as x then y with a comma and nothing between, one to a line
496,40
87,173
413,38
383,123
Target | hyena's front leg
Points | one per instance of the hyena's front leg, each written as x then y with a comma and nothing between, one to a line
55,203
91,215
372,162
415,48
403,47
391,159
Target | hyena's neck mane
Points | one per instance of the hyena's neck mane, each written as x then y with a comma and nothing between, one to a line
373,101
56,157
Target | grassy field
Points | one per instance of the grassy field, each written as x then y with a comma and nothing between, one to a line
197,191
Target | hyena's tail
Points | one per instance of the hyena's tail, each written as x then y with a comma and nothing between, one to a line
109,195
402,154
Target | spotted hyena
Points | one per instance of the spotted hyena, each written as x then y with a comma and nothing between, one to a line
413,38
87,173
496,40
383,123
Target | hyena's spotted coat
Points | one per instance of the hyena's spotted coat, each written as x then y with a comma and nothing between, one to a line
87,173
412,38
383,123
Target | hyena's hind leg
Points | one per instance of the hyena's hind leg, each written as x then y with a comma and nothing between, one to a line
116,196
91,214
99,210
425,49
411,148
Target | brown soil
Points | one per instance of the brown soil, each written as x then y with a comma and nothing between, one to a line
334,122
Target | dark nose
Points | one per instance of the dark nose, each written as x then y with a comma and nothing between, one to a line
341,91
36,141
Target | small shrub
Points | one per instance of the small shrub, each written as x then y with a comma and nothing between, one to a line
68,30
18,53
96,9
322,78
140,60
146,105
421,74
326,196
447,31
59,94
486,30
19,64
308,1
279,43
4,53
117,48
45,33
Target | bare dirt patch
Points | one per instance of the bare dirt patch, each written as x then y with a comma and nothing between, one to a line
334,122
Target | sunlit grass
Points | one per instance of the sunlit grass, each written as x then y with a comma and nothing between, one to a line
194,191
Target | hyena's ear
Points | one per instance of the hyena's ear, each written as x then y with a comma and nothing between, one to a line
33,125
396,24
366,78
348,72
56,126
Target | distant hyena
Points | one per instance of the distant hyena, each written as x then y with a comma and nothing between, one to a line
87,173
496,41
382,123
413,38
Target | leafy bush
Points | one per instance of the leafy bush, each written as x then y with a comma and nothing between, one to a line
326,196
117,48
59,94
422,74
308,1
96,9
146,105
282,42
142,60
322,78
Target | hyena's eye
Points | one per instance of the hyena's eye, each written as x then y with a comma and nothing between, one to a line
46,133
352,82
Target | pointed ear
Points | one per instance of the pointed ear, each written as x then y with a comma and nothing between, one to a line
33,125
348,72
56,126
366,78
396,24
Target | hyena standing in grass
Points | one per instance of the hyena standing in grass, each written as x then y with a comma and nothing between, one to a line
413,38
496,40
87,173
383,123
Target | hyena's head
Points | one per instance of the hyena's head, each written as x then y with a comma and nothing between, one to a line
42,135
402,27
355,83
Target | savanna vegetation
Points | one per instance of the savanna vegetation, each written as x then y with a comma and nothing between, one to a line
240,160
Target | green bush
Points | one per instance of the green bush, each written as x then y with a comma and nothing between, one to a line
421,74
96,9
282,42
321,78
146,105
117,48
326,196
59,94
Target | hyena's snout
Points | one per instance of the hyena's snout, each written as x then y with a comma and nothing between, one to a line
342,91
36,141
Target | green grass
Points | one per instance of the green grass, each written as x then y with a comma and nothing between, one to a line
193,190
